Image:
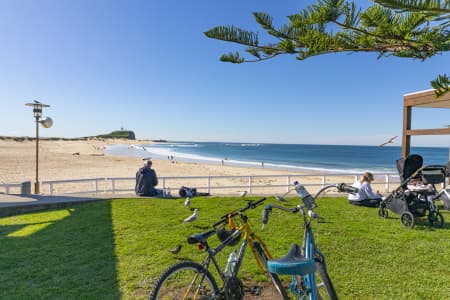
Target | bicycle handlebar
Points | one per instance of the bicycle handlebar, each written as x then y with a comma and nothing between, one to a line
269,207
341,187
250,205
345,188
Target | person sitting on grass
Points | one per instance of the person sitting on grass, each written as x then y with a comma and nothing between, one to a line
365,196
146,180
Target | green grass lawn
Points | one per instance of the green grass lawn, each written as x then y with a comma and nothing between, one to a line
117,249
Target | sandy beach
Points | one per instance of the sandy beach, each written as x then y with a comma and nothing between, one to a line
69,160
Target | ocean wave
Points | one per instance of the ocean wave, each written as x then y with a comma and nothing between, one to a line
180,155
164,152
244,145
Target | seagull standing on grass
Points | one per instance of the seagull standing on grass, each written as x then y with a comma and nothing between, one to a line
175,250
187,202
192,217
242,194
390,141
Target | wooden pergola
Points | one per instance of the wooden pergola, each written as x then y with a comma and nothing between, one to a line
424,99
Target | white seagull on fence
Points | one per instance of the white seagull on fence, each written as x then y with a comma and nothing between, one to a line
187,202
390,141
192,217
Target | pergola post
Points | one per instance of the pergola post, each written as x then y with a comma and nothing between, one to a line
406,139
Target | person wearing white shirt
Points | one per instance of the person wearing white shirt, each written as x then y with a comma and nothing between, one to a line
365,196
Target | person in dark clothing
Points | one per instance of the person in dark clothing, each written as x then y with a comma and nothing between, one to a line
146,180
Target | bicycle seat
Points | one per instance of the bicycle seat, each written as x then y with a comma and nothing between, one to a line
200,238
293,263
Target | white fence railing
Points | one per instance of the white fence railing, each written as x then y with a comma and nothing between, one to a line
251,183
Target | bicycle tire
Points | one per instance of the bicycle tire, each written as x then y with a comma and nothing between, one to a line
274,277
171,282
325,289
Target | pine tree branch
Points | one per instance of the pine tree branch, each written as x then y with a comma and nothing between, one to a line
417,6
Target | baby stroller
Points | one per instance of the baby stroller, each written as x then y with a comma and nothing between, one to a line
416,194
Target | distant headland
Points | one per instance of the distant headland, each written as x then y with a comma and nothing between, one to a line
117,134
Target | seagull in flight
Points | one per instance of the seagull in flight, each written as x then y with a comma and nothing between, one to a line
390,141
192,217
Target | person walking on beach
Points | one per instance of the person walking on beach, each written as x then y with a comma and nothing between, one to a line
365,195
146,180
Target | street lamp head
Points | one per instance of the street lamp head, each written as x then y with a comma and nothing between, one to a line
47,122
37,108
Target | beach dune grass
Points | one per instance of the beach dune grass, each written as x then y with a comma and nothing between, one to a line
117,249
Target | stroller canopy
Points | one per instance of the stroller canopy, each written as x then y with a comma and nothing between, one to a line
408,165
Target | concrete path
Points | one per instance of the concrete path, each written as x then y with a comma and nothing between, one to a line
18,204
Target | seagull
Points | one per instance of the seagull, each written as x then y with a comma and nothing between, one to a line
187,202
175,250
242,194
313,215
192,217
390,141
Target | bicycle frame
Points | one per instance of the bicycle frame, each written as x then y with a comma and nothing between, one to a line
311,252
305,286
249,238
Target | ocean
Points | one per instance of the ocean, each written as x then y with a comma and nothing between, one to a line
289,157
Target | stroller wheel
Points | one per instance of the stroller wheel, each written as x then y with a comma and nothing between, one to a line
436,219
382,212
407,219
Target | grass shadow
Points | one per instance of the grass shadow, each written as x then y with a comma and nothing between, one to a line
71,257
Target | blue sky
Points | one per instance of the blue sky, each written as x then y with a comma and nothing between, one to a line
146,66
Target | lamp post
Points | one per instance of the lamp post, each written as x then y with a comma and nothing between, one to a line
46,123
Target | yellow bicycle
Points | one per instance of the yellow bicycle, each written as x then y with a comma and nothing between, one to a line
191,280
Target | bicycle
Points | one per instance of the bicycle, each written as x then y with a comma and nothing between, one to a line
306,264
191,280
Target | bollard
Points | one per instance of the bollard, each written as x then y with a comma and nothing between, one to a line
25,188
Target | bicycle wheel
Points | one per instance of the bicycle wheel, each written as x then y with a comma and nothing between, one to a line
325,288
185,280
274,277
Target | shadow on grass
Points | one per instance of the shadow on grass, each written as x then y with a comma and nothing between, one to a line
70,256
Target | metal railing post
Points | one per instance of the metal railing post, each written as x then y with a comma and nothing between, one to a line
50,188
96,186
164,183
288,183
387,183
324,181
249,184
209,184
7,190
113,185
